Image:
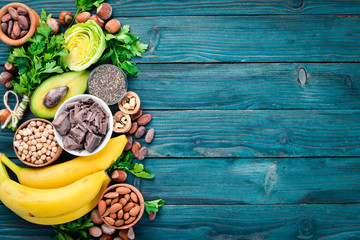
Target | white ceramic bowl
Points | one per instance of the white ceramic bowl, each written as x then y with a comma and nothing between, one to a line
108,134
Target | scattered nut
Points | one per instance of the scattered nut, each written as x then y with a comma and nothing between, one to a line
54,25
136,148
150,135
140,132
136,115
129,142
118,176
104,11
152,216
95,231
82,17
10,67
6,79
4,114
65,18
113,26
144,119
95,217
106,229
98,20
133,128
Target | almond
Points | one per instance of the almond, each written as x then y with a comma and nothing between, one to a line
122,190
106,229
150,135
135,211
126,216
136,115
123,201
130,220
134,197
111,195
114,208
115,200
108,202
95,217
102,207
112,215
119,223
136,148
120,214
109,220
144,119
127,197
106,213
140,132
128,206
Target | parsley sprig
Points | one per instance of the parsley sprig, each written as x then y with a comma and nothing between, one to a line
78,227
125,162
121,48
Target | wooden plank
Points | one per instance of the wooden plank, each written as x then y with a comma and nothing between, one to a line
246,86
328,222
245,38
205,7
253,181
248,133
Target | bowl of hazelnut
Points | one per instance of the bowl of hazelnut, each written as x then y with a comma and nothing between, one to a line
18,22
35,143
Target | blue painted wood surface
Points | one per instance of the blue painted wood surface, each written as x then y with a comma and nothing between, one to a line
256,110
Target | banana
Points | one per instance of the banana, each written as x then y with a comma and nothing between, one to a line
69,216
49,202
63,174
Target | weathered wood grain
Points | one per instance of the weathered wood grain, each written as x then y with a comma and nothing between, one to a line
253,180
248,133
205,7
194,222
245,38
246,86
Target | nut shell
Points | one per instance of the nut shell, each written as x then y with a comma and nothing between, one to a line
113,26
65,18
82,17
104,11
98,20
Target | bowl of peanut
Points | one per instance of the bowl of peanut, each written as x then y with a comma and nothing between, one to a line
35,143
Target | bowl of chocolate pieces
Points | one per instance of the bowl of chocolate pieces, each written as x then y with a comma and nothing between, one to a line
83,125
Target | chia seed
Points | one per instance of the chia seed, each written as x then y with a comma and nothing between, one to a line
107,83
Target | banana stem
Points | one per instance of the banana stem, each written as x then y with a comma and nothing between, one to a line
3,173
15,168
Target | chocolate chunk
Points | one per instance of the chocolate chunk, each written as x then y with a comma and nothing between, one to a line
92,141
70,143
71,105
78,133
62,123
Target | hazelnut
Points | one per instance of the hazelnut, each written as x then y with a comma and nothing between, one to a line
82,17
104,11
118,176
98,20
6,79
54,25
4,114
113,26
10,67
65,18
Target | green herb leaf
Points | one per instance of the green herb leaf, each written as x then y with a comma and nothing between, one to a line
77,227
153,206
124,162
40,59
122,47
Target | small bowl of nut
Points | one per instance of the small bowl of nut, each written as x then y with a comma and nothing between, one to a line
35,143
18,22
130,104
121,206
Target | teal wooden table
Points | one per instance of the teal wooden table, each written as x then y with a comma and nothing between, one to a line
256,106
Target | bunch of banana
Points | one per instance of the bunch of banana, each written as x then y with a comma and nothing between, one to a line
65,192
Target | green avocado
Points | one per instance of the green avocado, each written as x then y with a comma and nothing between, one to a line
55,90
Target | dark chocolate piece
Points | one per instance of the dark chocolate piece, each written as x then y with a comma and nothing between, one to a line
62,123
92,141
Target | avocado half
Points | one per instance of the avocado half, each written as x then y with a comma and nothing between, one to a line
75,81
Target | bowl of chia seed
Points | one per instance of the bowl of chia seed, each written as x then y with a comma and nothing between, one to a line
107,82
